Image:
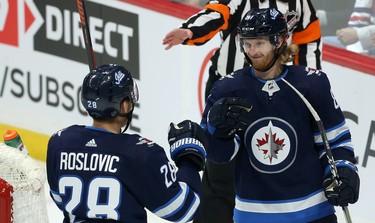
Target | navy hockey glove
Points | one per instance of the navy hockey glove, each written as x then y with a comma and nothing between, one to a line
187,140
347,191
228,116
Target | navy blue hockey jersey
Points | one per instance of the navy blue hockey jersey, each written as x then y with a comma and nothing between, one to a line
94,173
280,158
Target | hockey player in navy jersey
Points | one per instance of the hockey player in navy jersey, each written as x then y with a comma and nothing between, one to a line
282,174
99,173
222,17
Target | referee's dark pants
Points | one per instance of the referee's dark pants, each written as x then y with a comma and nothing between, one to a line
217,194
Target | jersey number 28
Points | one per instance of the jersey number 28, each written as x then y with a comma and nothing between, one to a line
97,186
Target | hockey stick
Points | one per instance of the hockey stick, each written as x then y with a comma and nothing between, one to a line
327,147
86,34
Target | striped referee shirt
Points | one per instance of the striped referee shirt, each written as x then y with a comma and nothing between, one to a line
224,15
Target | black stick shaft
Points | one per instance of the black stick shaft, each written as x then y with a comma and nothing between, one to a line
86,34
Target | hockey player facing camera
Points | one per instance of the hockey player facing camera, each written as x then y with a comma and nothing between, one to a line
99,173
282,173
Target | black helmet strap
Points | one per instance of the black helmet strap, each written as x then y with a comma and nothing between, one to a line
129,116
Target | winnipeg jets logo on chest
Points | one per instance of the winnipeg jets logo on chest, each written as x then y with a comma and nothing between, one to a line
271,144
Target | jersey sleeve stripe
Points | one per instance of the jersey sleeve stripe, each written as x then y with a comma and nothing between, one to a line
184,204
332,134
192,209
174,204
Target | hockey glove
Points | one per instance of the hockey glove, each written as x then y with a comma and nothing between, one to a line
346,189
187,140
228,116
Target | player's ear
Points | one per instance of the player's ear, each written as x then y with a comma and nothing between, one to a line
280,41
125,106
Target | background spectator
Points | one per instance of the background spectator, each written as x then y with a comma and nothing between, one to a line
357,36
333,14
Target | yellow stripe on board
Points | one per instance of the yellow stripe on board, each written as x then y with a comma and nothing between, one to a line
35,143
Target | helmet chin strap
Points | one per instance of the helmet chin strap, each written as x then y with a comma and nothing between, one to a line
129,116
